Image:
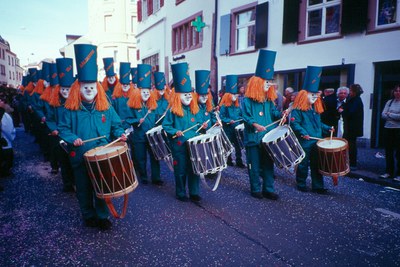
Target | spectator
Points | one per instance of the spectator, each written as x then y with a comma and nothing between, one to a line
288,99
391,114
7,136
279,101
242,90
328,92
353,121
333,105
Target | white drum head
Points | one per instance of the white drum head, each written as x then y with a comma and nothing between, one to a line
201,138
155,130
240,127
214,130
107,150
331,143
274,134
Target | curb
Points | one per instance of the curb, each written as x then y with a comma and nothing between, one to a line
371,177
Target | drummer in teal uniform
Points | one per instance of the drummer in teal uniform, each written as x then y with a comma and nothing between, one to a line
121,94
57,102
183,116
306,123
204,97
143,106
231,116
161,88
134,77
88,115
111,79
259,111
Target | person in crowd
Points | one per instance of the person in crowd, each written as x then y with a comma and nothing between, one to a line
7,136
306,124
134,77
353,122
242,91
181,123
231,116
204,98
259,111
88,115
333,109
328,92
279,100
111,79
391,116
162,93
287,94
143,105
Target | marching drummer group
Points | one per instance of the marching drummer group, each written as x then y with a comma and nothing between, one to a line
86,114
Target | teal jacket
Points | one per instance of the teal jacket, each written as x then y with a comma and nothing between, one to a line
203,115
162,105
262,113
54,115
139,133
122,109
230,113
85,124
307,123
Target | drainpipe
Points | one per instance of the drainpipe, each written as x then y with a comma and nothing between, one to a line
214,50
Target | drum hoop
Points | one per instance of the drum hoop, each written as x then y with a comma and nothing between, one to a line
157,129
280,138
334,149
90,155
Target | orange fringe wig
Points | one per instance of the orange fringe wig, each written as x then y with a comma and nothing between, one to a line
209,104
135,100
301,102
118,92
226,100
176,104
105,83
255,90
75,99
39,88
46,96
55,97
29,88
167,93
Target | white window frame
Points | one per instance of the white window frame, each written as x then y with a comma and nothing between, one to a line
144,10
156,5
246,25
324,5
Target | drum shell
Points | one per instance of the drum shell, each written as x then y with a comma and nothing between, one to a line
239,131
112,174
333,161
159,143
227,146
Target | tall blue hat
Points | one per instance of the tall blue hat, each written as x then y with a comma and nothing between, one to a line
134,75
265,64
231,84
202,81
34,74
45,71
86,62
39,75
109,66
159,80
53,74
65,71
24,81
144,76
312,79
124,72
180,74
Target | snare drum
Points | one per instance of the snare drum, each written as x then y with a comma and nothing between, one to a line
239,131
226,143
333,157
283,147
159,146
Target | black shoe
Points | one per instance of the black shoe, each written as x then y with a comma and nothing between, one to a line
104,224
145,182
1,188
91,222
256,195
68,189
183,199
321,191
302,189
270,195
158,182
195,198
240,165
230,163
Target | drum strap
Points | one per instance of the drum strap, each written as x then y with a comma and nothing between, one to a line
203,180
111,207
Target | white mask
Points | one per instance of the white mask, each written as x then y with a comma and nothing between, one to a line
64,92
234,97
186,98
161,92
88,91
125,87
312,97
45,83
268,85
203,99
111,80
145,93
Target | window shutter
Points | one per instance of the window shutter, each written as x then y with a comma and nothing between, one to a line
261,25
225,35
137,54
354,16
139,10
161,3
290,30
149,7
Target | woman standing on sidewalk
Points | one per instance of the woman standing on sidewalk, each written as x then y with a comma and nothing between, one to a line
391,114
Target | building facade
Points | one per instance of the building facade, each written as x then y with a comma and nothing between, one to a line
354,42
10,70
112,28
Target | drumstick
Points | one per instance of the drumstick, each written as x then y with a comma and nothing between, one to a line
148,112
200,127
188,129
271,124
316,138
113,142
331,133
236,121
163,115
93,139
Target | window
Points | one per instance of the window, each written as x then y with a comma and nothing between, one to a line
185,37
156,5
386,13
133,24
151,60
144,9
13,76
12,61
9,61
323,18
245,30
3,70
9,73
177,2
107,23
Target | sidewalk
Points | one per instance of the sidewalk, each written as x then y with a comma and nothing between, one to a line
370,168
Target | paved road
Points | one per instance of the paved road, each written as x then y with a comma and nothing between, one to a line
357,224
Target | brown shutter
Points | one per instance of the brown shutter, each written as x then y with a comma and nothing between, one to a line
354,16
139,10
137,54
161,3
149,7
291,9
261,25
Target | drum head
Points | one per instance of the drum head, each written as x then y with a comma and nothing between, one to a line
274,134
155,130
240,127
202,138
214,130
107,150
331,143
